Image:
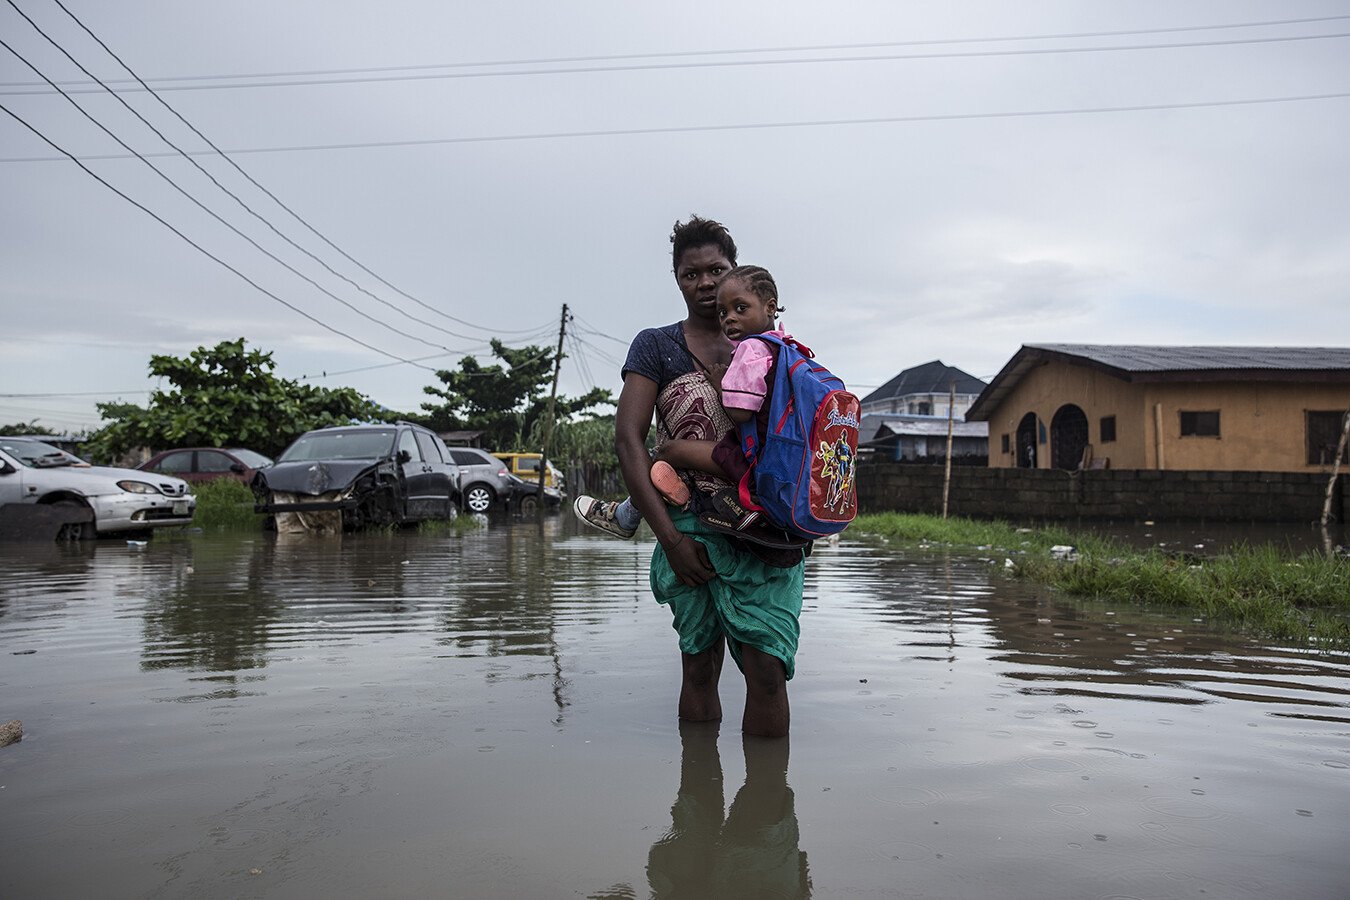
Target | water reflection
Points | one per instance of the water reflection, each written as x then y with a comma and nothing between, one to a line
751,850
392,714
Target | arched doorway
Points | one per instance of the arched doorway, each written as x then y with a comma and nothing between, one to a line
1026,442
1068,437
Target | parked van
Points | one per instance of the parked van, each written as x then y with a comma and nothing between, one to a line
525,466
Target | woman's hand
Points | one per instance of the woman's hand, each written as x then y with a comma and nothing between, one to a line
689,561
714,375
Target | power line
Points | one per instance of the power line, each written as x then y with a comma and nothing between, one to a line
74,394
221,219
579,360
601,353
591,329
314,77
739,126
214,181
179,151
13,115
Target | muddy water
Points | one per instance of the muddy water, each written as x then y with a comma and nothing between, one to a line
492,715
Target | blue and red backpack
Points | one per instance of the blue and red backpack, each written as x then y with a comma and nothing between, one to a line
802,475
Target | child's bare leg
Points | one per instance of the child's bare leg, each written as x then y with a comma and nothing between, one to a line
683,453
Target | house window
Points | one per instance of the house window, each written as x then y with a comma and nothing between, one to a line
1200,424
1007,443
1108,429
1324,433
925,408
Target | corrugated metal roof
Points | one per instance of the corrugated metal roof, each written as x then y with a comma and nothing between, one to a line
935,426
1157,363
1158,358
929,378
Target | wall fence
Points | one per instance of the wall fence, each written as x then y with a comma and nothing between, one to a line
1105,494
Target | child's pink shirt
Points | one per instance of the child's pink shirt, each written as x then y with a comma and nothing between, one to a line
745,384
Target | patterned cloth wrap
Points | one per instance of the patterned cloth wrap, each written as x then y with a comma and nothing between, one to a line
749,601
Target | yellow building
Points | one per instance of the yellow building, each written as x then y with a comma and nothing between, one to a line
1070,406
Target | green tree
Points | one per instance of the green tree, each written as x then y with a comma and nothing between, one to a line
226,395
506,402
22,428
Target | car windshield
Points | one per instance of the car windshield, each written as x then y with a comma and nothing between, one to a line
365,444
39,455
251,459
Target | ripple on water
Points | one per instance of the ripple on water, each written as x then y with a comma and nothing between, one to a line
908,795
1053,764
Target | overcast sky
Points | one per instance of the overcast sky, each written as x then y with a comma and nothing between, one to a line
904,213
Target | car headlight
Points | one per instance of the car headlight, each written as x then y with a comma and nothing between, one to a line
138,487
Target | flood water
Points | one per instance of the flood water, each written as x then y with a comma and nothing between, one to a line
493,715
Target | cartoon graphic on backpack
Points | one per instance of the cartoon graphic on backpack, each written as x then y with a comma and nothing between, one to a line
803,476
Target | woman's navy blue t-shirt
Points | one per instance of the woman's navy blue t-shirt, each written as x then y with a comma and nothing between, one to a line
659,354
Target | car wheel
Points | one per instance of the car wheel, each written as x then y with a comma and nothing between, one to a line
74,531
478,498
529,504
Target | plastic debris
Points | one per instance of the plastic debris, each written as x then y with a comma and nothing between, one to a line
138,545
1065,552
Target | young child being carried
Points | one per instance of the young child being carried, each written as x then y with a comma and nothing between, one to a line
747,301
747,304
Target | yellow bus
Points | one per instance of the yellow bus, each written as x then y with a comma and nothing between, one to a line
525,466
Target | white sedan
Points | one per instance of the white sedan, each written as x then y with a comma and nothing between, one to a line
32,471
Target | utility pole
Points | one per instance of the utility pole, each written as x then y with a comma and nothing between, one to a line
1331,482
552,400
951,420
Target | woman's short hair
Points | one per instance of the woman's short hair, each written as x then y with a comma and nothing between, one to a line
700,232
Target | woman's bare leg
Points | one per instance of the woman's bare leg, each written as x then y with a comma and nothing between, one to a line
766,699
698,691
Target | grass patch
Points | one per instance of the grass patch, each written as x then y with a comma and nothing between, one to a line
225,504
1260,590
458,525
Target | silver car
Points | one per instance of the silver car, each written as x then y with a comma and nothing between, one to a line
32,471
484,478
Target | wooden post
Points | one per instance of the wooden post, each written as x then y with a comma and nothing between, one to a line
951,420
548,418
1335,470
1158,434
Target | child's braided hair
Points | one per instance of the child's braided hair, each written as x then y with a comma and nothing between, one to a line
758,280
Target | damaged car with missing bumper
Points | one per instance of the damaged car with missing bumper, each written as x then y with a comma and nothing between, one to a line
349,477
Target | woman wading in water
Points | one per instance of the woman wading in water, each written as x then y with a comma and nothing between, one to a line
720,592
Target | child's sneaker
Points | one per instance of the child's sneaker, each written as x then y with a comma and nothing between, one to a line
669,484
600,514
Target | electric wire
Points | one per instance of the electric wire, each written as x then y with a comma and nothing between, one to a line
801,48
179,151
324,325
591,329
708,64
578,357
74,394
250,179
597,351
739,126
187,194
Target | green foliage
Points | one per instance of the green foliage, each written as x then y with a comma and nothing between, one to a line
225,503
1261,590
221,396
21,428
458,525
506,402
586,442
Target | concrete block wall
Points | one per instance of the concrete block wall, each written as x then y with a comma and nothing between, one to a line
1103,494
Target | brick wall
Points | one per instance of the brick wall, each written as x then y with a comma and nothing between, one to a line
1102,494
